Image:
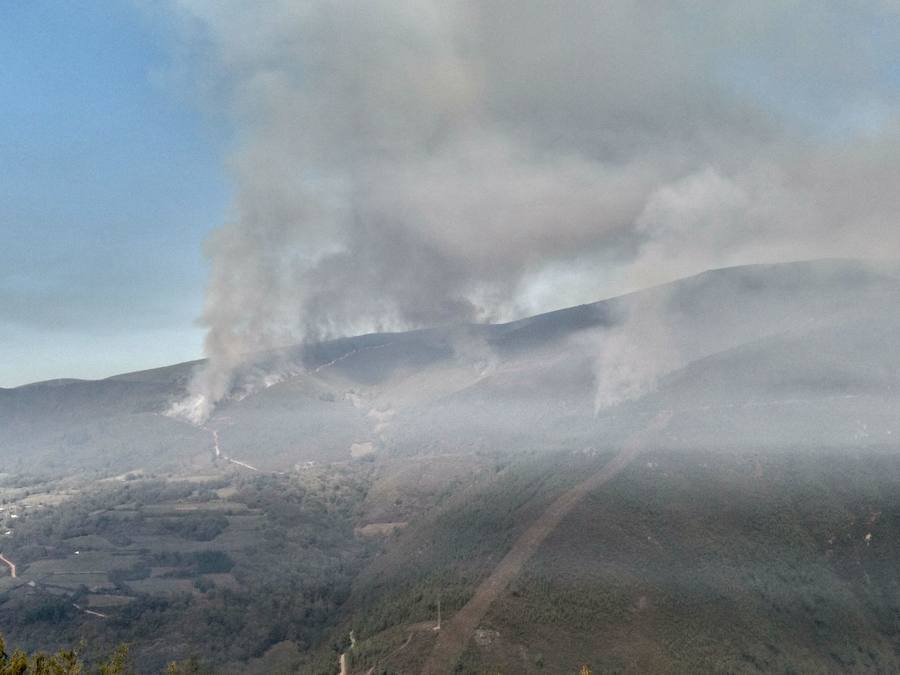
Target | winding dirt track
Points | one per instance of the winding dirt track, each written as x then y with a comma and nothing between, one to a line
9,563
455,634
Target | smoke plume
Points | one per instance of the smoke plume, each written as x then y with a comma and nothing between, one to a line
402,164
635,353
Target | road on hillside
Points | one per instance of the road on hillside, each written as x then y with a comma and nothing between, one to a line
9,563
218,450
455,634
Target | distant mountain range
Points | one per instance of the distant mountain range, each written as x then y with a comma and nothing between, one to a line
790,355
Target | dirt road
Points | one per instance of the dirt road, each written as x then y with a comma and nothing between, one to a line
9,563
219,453
90,611
455,634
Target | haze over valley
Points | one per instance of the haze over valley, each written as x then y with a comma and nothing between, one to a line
489,336
394,469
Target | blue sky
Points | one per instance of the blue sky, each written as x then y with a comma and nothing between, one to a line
109,182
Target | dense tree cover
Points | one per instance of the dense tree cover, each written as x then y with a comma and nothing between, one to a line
774,563
195,528
115,512
70,662
449,552
280,577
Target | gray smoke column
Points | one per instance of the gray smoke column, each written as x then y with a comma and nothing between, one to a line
403,164
635,353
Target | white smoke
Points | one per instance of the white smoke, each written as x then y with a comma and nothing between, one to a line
403,164
635,354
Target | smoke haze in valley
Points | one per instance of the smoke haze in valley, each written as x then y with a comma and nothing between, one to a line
411,164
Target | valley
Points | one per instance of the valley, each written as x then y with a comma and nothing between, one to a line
564,495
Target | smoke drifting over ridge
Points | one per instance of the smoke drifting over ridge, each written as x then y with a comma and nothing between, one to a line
405,164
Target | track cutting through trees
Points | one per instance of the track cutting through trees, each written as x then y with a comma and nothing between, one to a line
10,564
456,633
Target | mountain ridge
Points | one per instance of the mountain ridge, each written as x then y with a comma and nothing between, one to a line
870,264
502,383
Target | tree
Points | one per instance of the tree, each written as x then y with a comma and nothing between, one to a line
63,662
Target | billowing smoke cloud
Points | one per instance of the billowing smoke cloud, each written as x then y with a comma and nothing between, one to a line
403,163
635,353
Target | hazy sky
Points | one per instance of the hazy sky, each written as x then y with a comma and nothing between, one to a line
109,181
383,164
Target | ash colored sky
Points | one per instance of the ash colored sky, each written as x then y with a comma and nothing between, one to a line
381,164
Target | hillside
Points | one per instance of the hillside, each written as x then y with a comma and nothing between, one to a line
805,333
381,473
